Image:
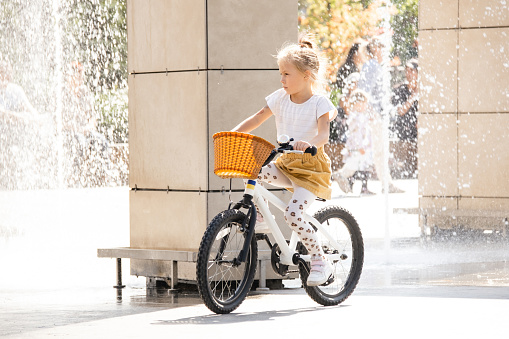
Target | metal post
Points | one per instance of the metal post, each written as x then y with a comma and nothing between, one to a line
174,276
119,274
262,286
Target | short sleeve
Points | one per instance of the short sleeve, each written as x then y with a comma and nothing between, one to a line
325,106
273,100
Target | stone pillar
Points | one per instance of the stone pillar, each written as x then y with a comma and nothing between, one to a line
196,67
464,106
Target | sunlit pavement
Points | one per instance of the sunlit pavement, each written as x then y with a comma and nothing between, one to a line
295,315
52,283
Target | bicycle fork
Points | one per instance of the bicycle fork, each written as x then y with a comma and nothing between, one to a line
246,202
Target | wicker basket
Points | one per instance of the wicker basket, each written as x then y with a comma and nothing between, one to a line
239,155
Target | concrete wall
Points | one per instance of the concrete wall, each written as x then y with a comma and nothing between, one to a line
196,67
464,106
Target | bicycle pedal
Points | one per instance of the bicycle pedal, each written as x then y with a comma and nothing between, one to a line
329,281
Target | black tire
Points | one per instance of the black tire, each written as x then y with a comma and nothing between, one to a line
347,272
224,286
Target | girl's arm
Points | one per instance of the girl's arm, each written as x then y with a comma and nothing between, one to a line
253,121
321,138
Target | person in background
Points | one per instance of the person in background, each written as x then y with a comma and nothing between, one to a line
374,80
352,65
346,80
78,111
351,84
355,58
13,100
23,141
346,107
83,143
358,152
406,101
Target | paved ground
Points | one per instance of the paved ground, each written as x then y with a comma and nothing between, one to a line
52,283
457,313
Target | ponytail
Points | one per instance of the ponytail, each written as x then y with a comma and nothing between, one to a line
305,57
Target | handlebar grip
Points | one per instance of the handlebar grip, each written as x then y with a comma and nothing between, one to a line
312,149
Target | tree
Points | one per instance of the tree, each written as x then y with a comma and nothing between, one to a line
336,24
405,26
96,36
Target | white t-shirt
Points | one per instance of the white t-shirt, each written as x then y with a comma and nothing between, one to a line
298,121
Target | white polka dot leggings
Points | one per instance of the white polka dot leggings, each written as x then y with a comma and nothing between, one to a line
297,206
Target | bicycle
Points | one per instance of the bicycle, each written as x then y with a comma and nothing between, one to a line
228,252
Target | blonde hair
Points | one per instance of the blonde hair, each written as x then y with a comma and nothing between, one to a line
305,57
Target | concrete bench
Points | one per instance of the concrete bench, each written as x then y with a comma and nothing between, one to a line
147,254
425,213
264,257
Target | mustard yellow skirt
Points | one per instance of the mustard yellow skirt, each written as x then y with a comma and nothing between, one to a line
311,173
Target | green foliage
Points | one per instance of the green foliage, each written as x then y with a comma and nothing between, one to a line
96,36
92,32
336,24
405,26
113,113
10,27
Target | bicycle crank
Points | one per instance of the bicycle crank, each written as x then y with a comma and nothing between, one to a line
275,260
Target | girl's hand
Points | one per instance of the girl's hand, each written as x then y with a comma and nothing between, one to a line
301,145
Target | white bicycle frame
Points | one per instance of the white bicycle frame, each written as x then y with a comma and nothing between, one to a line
288,250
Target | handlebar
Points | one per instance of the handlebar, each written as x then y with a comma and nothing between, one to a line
312,149
287,148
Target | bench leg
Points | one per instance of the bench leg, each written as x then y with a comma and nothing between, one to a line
174,276
425,230
119,274
119,285
262,283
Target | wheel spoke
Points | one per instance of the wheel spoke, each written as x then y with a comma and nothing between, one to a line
347,236
223,284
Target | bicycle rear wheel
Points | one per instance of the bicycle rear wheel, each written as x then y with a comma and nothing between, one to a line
343,227
223,282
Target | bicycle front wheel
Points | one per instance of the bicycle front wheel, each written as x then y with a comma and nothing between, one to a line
223,282
343,227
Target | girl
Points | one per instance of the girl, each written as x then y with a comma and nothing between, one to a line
357,155
303,115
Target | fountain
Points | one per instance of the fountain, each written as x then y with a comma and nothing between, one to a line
63,138
60,201
74,77
62,184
